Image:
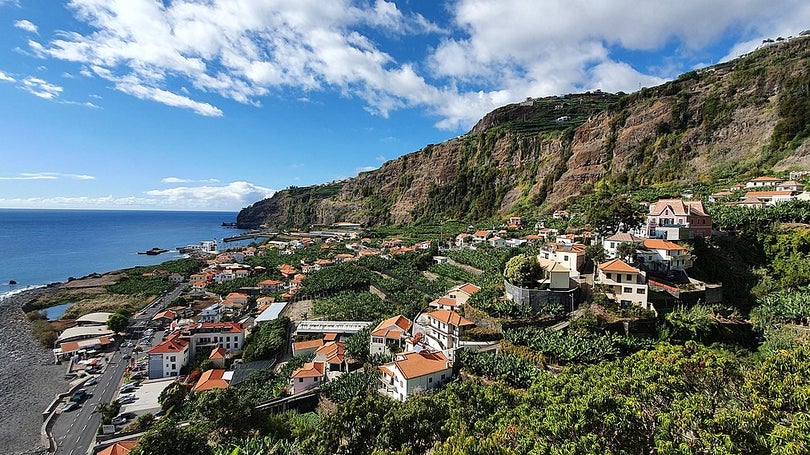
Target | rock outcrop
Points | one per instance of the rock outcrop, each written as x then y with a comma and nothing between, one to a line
739,118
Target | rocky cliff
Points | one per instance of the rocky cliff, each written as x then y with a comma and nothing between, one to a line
748,116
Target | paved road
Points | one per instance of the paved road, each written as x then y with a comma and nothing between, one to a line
75,431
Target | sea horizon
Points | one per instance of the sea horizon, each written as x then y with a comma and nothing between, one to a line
45,246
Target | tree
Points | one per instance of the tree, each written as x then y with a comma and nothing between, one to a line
169,437
108,411
357,345
117,322
521,270
173,396
626,251
614,214
596,253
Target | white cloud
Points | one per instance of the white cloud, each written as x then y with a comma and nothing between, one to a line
6,78
232,196
26,25
365,169
41,88
46,176
182,180
492,52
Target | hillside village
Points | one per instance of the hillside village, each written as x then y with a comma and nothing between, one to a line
326,313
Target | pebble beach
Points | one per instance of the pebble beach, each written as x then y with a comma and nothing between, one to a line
29,379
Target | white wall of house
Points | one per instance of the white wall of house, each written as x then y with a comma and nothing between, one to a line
403,388
626,288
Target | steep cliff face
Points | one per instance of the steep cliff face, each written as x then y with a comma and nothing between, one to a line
742,117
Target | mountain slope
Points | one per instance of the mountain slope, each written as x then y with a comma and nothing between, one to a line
747,116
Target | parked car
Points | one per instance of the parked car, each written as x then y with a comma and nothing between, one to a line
79,395
128,398
91,381
123,418
126,356
127,388
69,406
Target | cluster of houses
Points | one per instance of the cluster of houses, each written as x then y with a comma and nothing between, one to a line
765,191
422,350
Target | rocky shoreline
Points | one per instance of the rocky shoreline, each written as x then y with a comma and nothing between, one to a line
29,380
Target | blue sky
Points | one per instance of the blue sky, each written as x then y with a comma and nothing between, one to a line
213,105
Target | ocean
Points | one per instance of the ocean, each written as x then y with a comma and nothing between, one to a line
46,246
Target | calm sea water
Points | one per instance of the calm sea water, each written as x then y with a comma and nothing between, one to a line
45,246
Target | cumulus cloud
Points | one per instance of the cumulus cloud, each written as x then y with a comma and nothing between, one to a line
26,25
6,78
232,196
191,54
46,176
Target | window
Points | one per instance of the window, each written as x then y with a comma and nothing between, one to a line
172,359
629,277
640,291
300,379
316,379
443,376
430,380
626,290
174,366
608,276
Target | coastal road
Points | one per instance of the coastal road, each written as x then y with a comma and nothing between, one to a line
75,431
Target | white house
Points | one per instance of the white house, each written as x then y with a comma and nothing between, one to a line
497,242
167,358
212,313
570,256
311,375
663,255
625,284
227,335
463,292
481,236
445,329
762,181
555,275
610,244
393,330
412,372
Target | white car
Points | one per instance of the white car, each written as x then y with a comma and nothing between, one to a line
128,398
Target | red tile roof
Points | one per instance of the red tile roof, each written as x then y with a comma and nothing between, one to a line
209,380
218,353
450,317
617,265
308,344
309,370
332,352
392,327
678,207
172,344
658,244
469,288
416,364
119,448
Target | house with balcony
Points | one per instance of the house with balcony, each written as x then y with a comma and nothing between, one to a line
444,329
662,255
678,219
413,372
623,283
391,332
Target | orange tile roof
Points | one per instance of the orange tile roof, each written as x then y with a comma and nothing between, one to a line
469,288
172,344
617,265
287,269
444,301
119,448
624,237
308,344
395,326
209,380
217,353
330,336
658,244
168,314
765,179
309,370
416,364
481,233
70,346
767,193
450,317
332,352
237,295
